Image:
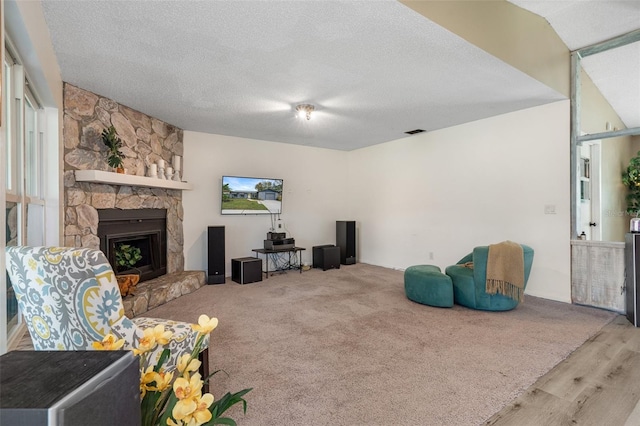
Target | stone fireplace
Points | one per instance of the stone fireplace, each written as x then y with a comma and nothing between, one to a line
145,140
92,205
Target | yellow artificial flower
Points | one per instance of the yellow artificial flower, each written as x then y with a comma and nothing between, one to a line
161,379
145,344
187,365
164,380
183,409
147,375
151,337
188,389
194,411
146,378
170,422
109,343
202,414
161,336
205,324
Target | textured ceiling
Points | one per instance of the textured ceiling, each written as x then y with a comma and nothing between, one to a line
579,24
373,69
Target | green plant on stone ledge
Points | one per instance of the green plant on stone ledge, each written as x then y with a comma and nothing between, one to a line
631,179
127,256
113,144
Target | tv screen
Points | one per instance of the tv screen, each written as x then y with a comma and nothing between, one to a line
249,195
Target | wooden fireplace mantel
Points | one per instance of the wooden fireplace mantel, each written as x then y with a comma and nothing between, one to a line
111,178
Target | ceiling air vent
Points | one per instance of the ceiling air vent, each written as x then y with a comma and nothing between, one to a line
413,132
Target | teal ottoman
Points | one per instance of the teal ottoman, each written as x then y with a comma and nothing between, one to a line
426,284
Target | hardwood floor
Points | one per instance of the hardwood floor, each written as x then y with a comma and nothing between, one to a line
598,384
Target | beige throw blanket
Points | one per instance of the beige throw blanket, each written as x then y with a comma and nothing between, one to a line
505,270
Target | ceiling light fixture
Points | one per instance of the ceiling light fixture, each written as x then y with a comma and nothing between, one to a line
305,110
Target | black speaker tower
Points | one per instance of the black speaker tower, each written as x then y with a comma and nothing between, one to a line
215,255
346,240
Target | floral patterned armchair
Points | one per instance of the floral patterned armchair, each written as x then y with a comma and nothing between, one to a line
70,298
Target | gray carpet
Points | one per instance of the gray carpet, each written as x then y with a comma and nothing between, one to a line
346,347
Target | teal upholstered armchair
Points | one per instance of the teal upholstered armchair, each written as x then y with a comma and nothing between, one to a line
70,298
469,284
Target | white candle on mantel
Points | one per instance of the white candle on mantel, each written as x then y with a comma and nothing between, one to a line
161,163
153,168
176,163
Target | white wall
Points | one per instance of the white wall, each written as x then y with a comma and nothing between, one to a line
447,191
439,193
314,196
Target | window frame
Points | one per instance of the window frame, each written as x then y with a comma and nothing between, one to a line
25,163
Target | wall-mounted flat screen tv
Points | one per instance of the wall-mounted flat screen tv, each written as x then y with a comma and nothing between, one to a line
249,195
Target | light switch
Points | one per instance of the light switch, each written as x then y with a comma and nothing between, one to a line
549,209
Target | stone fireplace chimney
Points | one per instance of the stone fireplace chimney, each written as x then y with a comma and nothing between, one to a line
146,140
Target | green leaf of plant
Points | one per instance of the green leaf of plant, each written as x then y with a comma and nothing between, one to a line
163,357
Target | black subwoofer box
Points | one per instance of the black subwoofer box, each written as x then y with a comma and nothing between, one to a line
246,270
326,257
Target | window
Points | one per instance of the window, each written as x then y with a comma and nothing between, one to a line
33,149
8,127
24,200
12,207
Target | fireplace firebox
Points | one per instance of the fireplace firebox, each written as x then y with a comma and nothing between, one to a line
143,232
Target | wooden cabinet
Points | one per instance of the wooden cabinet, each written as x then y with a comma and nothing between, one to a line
597,274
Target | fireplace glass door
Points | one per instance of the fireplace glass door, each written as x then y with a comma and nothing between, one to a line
134,241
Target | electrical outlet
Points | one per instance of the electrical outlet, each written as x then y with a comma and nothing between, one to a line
550,209
430,255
